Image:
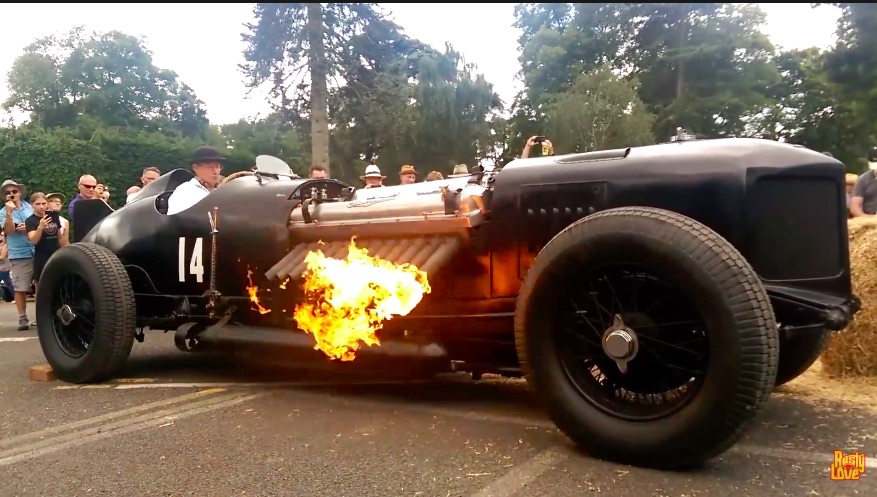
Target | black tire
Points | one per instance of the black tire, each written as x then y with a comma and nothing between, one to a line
739,328
95,281
798,351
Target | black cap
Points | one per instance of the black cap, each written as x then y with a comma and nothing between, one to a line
206,154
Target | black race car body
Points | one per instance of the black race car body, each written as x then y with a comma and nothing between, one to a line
781,206
588,274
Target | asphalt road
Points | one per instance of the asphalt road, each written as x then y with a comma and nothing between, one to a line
175,424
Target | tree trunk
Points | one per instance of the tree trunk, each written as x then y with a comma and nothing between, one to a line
319,89
681,42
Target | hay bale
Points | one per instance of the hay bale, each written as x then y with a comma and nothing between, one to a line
853,351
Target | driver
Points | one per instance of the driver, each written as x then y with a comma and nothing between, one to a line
206,165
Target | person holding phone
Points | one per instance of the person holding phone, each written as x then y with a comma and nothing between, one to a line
45,232
12,219
545,143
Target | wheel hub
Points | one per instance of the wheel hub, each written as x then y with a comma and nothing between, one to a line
65,314
620,343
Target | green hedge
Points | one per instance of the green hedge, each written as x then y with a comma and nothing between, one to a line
53,161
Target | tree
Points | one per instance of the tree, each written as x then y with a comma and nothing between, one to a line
107,78
289,40
245,140
600,111
706,67
812,110
852,65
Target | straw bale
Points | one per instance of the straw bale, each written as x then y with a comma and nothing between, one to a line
852,352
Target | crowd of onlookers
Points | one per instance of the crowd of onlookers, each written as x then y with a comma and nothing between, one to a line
32,229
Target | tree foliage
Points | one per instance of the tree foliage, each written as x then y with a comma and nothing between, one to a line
350,87
107,78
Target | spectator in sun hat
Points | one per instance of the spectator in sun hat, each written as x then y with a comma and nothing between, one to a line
460,170
206,165
373,177
434,176
13,219
407,175
56,203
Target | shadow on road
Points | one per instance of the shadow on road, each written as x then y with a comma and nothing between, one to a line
786,422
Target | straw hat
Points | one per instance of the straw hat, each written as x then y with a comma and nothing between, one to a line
852,178
59,196
406,169
372,171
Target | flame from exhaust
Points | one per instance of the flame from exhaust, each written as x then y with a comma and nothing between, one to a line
347,300
253,292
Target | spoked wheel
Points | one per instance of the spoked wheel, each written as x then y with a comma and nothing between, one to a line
86,314
73,320
631,343
647,336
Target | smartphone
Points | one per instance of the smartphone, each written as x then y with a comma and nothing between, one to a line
539,139
56,218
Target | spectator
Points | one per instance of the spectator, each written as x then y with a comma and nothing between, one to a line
851,183
407,175
373,177
56,204
547,147
19,249
8,288
44,233
434,176
102,192
87,186
864,199
317,172
206,164
460,170
148,175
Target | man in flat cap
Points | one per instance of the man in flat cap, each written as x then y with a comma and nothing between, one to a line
206,165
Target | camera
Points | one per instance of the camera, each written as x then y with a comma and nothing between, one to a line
10,197
538,139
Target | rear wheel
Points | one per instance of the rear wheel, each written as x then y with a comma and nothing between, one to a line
86,315
647,336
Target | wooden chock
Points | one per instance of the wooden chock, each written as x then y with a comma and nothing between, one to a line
43,372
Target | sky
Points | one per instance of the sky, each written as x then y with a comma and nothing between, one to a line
202,43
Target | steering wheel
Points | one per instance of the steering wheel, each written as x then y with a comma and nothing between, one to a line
236,175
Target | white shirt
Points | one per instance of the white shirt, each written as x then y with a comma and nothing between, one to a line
186,195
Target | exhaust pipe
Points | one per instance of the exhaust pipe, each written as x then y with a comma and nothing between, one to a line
298,347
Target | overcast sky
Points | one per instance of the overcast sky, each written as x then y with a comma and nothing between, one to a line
201,42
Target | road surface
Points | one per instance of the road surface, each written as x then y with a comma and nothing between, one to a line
177,424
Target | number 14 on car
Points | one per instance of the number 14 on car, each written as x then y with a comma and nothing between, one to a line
195,260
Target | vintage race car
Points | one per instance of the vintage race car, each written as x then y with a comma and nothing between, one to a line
652,297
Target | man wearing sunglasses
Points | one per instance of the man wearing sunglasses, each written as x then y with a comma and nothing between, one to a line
19,249
87,184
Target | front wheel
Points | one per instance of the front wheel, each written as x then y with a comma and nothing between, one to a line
86,315
647,336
